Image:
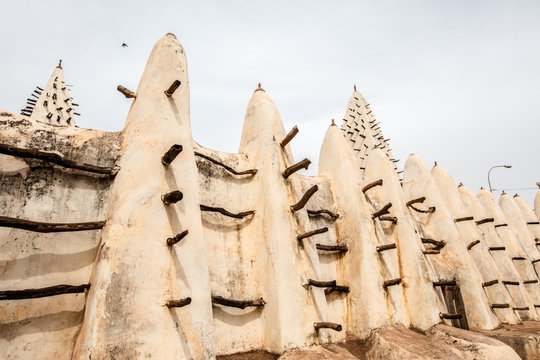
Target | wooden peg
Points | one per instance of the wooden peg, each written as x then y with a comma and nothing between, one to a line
289,136
172,88
311,233
171,154
382,211
304,164
178,303
177,238
172,197
372,185
126,92
327,325
305,198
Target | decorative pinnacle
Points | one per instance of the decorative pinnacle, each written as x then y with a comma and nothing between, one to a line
460,184
59,64
333,123
354,86
516,195
435,164
259,88
503,193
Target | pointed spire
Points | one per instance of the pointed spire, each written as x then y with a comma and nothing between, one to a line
516,195
435,164
354,86
259,88
503,193
333,123
262,123
54,105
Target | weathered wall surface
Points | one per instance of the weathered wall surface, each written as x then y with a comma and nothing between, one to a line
510,277
266,259
456,264
34,190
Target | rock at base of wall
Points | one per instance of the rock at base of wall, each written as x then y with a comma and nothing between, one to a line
440,342
524,339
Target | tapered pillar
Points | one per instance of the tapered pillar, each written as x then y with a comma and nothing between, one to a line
288,319
455,263
136,273
469,232
521,227
415,268
485,221
368,305
513,246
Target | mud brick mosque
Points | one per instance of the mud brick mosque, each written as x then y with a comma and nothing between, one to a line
142,244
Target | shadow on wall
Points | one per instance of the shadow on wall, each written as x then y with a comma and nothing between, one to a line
237,317
40,264
218,223
41,324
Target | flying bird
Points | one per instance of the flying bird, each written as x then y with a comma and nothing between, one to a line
124,45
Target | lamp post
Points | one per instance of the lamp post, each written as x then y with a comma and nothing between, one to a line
493,167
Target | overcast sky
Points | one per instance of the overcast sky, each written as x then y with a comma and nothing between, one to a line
453,81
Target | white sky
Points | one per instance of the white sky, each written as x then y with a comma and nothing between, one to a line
453,81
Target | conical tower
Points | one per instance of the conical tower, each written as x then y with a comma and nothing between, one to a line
151,280
362,130
52,104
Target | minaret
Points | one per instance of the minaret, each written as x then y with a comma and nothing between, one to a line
469,233
453,262
362,130
415,269
521,228
288,317
54,105
492,239
368,305
137,274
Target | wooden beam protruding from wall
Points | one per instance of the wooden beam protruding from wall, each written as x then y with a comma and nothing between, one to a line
289,136
305,198
43,292
304,164
43,227
222,211
57,159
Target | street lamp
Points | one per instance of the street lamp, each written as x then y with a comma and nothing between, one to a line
493,167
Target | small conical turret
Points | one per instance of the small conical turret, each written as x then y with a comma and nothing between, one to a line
54,105
262,123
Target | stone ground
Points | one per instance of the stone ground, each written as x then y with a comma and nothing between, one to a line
524,339
440,342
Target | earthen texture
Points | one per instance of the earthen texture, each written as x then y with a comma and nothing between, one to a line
254,276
